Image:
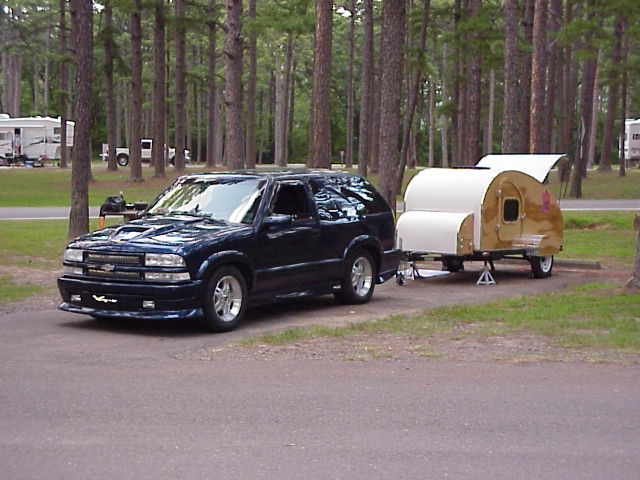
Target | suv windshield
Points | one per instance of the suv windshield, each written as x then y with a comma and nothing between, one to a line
233,200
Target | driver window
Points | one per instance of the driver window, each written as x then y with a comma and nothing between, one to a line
291,199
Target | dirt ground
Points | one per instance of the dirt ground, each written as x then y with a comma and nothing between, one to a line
462,344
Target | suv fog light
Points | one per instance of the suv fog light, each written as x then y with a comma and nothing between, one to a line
149,304
75,298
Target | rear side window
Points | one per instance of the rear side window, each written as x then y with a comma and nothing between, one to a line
291,199
343,197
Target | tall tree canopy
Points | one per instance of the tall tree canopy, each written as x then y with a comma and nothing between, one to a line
256,78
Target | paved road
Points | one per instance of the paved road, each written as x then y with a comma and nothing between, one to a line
82,399
38,213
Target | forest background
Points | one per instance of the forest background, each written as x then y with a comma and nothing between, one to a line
377,84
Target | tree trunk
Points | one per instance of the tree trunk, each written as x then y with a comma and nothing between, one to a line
586,108
554,90
109,54
251,91
623,108
526,73
487,146
135,154
212,101
366,88
612,101
444,122
233,85
538,112
64,87
510,114
473,98
159,90
320,154
181,85
350,89
82,24
391,74
280,123
414,79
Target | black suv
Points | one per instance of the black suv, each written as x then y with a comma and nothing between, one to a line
212,243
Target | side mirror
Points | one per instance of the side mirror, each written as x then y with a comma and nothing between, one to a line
277,219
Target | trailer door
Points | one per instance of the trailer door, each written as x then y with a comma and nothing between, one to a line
511,211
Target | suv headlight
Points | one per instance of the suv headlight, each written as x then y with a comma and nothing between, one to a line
163,260
73,255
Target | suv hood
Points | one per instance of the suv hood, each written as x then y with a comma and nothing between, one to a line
153,231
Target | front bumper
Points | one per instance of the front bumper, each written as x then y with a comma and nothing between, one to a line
131,300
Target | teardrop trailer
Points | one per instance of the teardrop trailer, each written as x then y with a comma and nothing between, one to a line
497,209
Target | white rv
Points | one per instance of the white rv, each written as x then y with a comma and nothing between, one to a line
632,139
31,138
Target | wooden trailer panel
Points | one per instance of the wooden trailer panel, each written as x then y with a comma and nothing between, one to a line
518,211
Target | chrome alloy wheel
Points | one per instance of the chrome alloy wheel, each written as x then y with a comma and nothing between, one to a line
227,298
362,276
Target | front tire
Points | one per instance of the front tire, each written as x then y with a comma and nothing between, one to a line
359,279
123,160
226,300
541,266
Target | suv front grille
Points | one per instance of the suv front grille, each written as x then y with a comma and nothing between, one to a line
112,274
114,259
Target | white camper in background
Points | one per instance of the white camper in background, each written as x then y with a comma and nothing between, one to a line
632,139
34,139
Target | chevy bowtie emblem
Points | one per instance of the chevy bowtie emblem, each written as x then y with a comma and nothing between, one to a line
103,299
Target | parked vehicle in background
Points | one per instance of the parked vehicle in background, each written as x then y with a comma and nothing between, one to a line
211,244
31,139
122,154
632,140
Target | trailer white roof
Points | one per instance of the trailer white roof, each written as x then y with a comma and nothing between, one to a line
448,189
463,189
536,166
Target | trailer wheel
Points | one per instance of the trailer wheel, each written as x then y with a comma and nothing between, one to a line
541,266
123,160
452,264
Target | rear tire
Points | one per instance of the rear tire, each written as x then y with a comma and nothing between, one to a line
359,279
541,267
123,160
226,300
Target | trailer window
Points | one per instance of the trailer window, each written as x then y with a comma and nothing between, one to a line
510,210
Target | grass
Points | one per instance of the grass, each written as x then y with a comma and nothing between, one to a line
607,237
51,187
603,185
589,316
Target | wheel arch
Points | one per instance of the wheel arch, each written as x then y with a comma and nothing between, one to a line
232,258
370,244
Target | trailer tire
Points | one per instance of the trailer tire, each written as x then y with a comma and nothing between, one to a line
452,264
541,266
123,160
